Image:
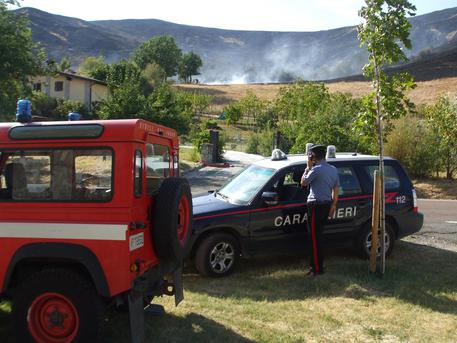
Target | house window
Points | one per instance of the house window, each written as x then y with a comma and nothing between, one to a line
37,86
58,86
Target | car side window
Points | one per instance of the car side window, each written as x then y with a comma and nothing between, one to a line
38,175
349,184
391,179
291,189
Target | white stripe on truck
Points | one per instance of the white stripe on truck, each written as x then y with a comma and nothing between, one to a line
108,232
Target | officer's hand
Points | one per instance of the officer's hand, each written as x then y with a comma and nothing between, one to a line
309,163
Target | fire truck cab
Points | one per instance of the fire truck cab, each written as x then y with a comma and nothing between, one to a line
92,213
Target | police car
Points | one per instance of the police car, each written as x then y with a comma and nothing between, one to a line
262,210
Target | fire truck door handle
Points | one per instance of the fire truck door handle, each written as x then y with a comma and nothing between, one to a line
137,225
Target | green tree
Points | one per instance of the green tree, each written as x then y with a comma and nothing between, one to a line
127,92
66,106
161,50
412,142
164,107
384,32
189,65
20,58
261,143
295,105
232,113
442,119
154,75
330,125
64,64
43,105
91,65
252,107
194,103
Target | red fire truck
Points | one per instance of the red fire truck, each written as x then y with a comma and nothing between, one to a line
92,213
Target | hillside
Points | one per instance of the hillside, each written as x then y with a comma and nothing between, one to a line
232,56
426,92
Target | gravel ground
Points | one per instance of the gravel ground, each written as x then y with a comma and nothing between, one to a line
431,241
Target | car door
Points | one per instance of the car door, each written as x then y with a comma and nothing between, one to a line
280,228
352,205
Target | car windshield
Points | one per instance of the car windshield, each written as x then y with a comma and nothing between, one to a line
246,185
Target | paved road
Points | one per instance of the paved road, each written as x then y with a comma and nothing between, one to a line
211,178
440,219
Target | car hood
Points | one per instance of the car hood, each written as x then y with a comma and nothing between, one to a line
209,204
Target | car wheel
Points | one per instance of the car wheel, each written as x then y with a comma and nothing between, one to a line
363,242
217,255
58,306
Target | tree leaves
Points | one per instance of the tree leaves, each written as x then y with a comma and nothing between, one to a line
384,32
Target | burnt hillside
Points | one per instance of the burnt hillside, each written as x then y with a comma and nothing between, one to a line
247,56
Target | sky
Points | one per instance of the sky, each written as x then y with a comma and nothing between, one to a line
264,15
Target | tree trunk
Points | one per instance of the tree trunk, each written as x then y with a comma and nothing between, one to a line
379,124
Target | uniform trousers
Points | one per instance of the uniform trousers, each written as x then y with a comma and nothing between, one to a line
317,218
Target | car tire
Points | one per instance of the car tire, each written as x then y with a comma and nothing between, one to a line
57,305
172,218
217,255
363,241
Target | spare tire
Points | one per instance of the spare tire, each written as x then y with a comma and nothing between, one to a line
172,218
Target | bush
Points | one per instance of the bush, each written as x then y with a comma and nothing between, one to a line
43,105
308,112
232,113
66,106
260,143
200,135
442,118
412,143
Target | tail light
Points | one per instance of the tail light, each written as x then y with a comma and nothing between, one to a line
415,207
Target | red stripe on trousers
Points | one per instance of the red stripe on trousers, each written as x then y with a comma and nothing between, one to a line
313,236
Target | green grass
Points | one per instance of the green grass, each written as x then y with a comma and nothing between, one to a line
188,158
271,300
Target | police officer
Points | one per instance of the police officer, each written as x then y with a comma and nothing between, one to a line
322,178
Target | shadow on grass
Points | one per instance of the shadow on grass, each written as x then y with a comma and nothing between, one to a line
421,275
170,328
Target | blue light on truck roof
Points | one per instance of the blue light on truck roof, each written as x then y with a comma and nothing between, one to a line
74,116
24,111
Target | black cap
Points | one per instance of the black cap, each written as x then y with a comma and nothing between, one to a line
318,150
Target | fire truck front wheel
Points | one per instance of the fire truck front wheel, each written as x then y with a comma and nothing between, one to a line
172,214
57,306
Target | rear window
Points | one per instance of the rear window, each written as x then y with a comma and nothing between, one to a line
391,179
79,175
157,166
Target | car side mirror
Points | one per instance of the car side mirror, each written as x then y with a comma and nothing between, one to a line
270,198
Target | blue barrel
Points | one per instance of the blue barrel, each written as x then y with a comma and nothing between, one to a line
73,116
24,111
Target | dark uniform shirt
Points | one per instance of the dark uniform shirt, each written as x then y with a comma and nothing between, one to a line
322,178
